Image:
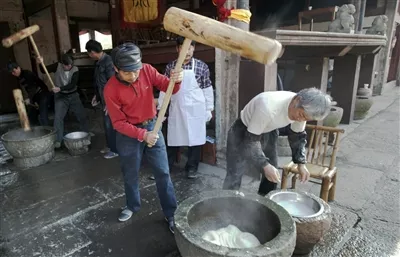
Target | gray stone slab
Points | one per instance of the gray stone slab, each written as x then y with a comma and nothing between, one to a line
146,235
355,185
341,229
373,238
385,204
29,218
109,189
366,158
58,240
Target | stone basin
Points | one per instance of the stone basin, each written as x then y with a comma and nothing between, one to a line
30,148
210,210
312,216
77,143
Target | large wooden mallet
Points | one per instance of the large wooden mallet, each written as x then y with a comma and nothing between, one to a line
216,34
27,32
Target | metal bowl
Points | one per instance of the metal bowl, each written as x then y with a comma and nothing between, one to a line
77,143
298,205
76,135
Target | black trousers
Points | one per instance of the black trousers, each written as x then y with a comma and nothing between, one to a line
238,164
194,153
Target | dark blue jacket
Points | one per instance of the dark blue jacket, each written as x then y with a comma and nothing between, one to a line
103,72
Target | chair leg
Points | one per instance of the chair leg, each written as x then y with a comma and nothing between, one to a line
325,188
285,174
294,180
332,191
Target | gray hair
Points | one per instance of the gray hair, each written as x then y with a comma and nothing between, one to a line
315,103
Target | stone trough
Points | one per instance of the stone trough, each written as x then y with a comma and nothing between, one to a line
210,210
30,148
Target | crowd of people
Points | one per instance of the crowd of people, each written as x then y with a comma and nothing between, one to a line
124,89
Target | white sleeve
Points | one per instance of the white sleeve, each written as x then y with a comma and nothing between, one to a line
160,100
209,96
258,122
298,126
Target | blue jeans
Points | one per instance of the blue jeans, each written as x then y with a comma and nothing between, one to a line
63,103
130,153
110,133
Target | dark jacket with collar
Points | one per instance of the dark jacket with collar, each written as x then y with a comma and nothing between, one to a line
103,72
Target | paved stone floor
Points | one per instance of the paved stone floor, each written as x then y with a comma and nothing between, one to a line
69,207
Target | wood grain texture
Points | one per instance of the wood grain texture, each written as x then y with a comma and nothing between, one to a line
15,38
223,36
23,117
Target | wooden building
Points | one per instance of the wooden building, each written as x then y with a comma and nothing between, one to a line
64,23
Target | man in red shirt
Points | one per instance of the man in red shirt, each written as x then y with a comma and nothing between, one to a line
130,104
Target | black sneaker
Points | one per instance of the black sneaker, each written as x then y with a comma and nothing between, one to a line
191,174
171,224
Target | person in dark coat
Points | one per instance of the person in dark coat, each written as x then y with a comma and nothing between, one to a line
35,92
103,72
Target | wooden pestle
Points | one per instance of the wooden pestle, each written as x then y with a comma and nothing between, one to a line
19,102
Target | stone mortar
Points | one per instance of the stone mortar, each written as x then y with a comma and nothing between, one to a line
268,221
310,231
32,148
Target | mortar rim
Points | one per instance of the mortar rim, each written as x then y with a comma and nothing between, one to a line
52,131
286,234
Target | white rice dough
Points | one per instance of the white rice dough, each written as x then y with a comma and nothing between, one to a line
231,237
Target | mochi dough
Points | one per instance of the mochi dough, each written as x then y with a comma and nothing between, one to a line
231,237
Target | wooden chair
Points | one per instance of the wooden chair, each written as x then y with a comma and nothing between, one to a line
319,168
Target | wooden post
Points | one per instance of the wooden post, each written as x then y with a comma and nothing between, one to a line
227,86
345,83
19,102
383,57
61,26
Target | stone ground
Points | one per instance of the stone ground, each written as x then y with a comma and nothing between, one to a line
69,207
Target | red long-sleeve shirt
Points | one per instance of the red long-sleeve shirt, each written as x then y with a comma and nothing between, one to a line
133,104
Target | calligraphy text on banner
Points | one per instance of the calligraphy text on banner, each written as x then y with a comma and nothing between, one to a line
140,11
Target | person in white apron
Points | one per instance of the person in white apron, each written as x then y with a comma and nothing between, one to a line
189,111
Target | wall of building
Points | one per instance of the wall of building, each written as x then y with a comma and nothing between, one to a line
87,9
11,11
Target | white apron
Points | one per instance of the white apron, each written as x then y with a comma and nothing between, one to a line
187,113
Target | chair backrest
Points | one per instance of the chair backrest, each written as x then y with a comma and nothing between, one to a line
318,145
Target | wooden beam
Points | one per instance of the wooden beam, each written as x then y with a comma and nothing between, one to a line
36,6
345,50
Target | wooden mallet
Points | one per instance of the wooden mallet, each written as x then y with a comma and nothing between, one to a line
19,100
23,117
22,34
216,34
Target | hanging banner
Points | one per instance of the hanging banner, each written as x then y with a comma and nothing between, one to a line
141,13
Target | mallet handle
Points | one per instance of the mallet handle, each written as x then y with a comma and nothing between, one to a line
44,66
168,93
19,102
